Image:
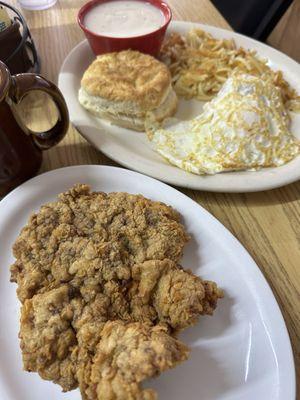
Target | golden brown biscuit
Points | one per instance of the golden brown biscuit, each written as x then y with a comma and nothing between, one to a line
124,86
128,76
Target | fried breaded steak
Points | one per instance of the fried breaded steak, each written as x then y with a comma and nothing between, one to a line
95,234
88,259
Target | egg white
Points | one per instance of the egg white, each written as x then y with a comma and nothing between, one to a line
245,126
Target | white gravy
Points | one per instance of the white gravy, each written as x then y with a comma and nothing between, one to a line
124,18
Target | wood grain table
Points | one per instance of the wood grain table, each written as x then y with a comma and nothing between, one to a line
266,223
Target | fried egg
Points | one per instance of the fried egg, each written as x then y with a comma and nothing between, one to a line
244,127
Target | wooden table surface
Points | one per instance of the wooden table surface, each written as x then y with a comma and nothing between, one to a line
266,223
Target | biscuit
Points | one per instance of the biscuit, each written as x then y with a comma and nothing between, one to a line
123,87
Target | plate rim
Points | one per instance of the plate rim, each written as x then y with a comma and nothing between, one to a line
286,364
264,179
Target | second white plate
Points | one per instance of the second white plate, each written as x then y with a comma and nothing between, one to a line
242,352
132,149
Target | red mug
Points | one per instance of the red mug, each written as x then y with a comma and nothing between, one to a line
149,43
20,148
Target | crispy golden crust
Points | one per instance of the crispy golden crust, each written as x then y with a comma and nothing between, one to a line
162,290
96,236
125,356
128,76
47,338
103,296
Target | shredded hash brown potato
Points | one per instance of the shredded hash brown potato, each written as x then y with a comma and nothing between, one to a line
200,64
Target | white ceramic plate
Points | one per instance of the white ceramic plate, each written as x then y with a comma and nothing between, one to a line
243,352
132,149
